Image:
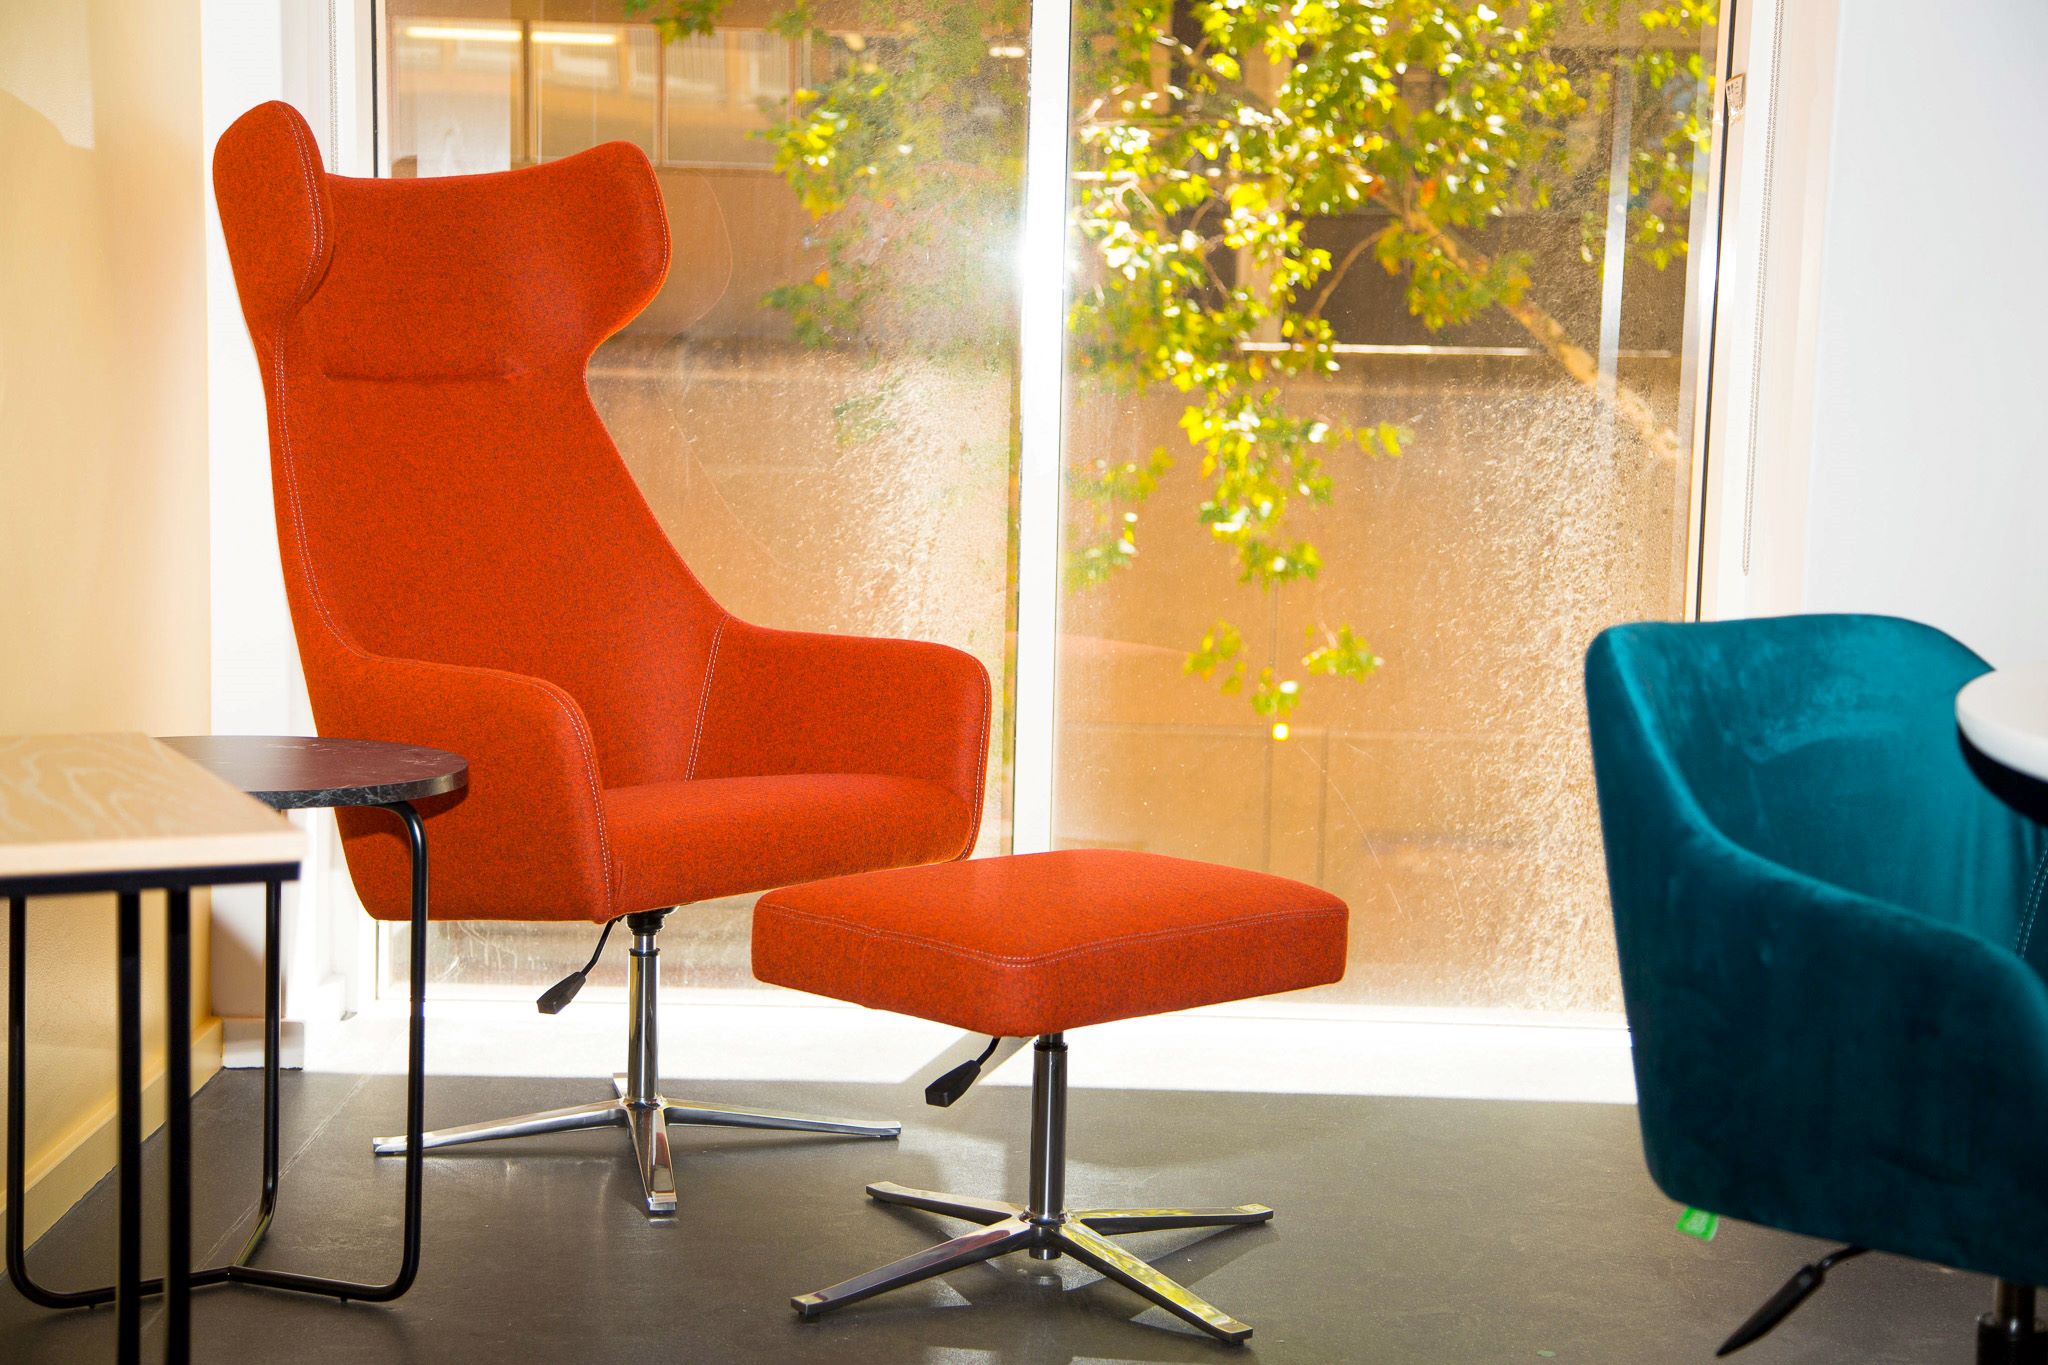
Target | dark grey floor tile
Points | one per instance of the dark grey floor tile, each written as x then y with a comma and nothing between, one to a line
1408,1231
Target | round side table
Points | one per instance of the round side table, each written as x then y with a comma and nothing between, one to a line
292,772
2003,716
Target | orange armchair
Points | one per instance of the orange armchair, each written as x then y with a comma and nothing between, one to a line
471,567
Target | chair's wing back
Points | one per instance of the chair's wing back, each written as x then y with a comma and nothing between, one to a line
445,490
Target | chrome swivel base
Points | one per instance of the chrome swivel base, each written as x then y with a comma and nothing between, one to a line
648,1121
638,1104
1083,1234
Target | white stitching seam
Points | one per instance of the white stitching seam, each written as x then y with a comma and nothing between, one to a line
652,185
704,698
2034,901
1101,945
980,775
561,697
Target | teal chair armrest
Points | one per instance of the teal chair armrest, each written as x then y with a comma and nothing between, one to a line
1820,1061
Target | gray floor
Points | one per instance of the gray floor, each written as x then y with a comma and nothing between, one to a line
1408,1230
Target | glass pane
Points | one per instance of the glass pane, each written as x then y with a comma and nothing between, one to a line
725,90
1375,419
455,95
820,404
594,83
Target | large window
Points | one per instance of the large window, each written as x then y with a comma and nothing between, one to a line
1521,477
1377,408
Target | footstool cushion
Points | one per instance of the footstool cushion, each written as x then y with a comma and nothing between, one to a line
1044,942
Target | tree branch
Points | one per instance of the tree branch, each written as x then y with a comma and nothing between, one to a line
1550,334
1343,269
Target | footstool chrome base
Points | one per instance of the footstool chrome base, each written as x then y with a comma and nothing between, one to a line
1083,1234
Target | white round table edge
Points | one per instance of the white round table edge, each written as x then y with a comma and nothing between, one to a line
2005,714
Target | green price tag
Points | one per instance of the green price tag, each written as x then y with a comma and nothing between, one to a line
1699,1223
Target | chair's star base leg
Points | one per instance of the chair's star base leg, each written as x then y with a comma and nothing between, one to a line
1115,1221
703,1113
603,1114
1011,1234
1106,1258
657,1168
952,1205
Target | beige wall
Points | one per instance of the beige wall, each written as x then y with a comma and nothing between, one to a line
103,574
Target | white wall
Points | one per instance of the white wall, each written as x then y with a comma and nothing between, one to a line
103,488
1929,458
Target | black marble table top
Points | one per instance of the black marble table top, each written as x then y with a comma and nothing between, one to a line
296,772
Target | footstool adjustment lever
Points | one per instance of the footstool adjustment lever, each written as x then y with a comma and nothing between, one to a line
557,997
949,1087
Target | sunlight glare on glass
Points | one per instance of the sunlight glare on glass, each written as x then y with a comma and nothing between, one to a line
453,33
576,38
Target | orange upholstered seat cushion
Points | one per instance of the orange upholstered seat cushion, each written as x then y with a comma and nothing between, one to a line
1049,941
678,842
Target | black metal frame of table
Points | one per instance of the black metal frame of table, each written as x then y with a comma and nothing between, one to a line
179,1279
129,1287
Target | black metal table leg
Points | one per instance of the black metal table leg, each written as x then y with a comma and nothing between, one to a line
128,1127
178,1125
17,1148
17,1124
415,1048
415,1108
273,939
130,1287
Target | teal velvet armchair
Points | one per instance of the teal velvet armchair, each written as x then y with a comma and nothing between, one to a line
1828,956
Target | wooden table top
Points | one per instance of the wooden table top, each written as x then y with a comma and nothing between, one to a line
78,804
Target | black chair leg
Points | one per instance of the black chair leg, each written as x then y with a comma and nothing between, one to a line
2010,1334
1805,1282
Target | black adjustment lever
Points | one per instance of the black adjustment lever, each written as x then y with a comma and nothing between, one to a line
941,1093
1782,1304
557,997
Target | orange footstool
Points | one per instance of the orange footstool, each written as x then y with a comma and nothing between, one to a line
1035,945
